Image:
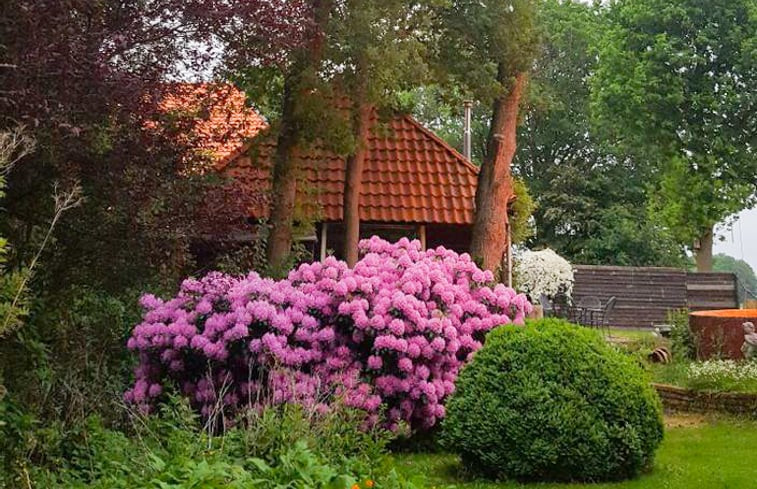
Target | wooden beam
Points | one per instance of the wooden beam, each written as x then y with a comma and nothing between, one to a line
422,236
324,234
509,250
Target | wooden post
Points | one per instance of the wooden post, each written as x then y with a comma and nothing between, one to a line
422,236
509,255
324,234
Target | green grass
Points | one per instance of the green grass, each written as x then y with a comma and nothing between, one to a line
631,334
673,373
720,453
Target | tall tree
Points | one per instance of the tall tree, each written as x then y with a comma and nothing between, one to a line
377,44
299,84
86,77
488,48
591,202
558,154
675,87
294,88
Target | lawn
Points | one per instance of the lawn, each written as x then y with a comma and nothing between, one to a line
631,334
696,453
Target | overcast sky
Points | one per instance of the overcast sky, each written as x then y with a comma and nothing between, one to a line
741,240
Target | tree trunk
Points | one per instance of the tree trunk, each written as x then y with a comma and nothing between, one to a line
704,253
284,188
353,179
495,187
299,83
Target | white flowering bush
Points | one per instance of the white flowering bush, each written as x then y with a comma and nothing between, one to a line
723,375
543,272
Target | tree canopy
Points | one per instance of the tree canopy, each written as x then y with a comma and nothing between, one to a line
672,89
747,287
486,50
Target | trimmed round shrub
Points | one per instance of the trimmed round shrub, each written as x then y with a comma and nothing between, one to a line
553,402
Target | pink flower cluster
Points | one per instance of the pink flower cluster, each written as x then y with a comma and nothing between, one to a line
388,336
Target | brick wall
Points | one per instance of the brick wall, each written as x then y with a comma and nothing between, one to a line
678,399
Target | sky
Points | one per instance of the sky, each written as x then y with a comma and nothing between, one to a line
741,240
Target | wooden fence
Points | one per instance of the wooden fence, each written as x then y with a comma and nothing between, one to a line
711,290
646,294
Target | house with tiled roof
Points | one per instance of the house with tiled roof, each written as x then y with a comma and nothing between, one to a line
414,184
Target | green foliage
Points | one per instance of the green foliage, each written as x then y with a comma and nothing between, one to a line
522,211
723,376
590,202
69,361
743,271
681,338
710,376
553,401
378,43
16,428
626,236
277,448
14,299
671,89
484,44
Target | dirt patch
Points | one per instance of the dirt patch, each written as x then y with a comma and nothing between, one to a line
684,420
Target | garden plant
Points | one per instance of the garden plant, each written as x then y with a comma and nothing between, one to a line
553,402
388,336
543,272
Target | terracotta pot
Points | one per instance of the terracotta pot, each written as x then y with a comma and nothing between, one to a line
720,334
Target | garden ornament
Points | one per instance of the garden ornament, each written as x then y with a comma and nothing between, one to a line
749,348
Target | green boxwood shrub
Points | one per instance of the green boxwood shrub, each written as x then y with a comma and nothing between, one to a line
552,401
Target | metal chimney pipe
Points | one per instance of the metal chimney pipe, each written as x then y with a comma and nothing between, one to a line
467,105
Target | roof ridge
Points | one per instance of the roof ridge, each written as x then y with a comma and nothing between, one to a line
428,132
225,162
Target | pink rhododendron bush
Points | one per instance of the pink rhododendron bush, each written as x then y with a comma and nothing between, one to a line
388,336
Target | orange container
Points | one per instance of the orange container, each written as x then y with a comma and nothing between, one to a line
719,333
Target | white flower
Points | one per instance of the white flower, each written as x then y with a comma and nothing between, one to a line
713,371
543,272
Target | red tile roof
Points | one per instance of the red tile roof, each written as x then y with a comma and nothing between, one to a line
215,120
410,176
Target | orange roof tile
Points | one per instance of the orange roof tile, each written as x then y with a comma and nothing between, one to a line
216,122
411,175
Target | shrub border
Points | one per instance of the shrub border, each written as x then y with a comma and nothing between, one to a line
679,399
